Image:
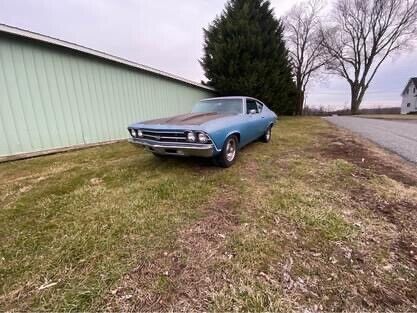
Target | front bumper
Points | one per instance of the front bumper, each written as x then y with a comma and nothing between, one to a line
175,148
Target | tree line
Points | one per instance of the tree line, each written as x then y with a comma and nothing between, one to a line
249,51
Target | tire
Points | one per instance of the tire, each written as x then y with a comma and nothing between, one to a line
267,136
228,155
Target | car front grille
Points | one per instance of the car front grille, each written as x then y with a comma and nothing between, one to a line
165,136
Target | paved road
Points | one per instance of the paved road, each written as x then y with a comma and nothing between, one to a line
398,137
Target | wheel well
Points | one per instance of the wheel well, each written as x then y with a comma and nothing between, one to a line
237,135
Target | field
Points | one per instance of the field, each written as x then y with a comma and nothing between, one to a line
316,220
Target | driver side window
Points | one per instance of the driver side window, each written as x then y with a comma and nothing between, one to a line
251,105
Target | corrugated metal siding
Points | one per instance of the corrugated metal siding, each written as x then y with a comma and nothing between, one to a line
52,97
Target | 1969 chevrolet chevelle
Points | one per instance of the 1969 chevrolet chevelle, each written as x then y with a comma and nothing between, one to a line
216,128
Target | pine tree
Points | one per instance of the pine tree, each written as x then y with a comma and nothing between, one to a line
245,54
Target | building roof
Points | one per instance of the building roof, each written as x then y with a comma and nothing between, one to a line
412,80
99,54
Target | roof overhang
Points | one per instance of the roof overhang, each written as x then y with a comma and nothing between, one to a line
102,55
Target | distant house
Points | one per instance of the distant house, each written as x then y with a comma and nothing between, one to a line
409,102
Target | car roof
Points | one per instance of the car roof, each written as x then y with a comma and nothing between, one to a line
232,97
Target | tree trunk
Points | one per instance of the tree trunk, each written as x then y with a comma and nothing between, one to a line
355,100
300,102
354,106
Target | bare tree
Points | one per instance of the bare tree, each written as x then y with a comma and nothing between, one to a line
302,26
362,34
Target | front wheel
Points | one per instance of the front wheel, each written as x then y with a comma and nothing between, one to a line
229,152
267,136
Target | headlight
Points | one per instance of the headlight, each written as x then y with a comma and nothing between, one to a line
191,136
140,134
132,132
202,138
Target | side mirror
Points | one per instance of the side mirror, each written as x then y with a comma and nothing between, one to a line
253,111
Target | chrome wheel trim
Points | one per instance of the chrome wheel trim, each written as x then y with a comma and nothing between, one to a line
268,134
230,150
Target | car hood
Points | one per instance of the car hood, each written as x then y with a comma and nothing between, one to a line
187,119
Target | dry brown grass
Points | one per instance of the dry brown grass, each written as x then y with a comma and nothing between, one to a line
317,220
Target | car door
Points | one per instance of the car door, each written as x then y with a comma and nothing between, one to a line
265,120
254,120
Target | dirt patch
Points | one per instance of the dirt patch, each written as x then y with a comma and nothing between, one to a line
393,211
400,213
373,160
361,152
181,279
389,230
408,245
252,168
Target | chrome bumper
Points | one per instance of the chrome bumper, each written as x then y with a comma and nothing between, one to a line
175,148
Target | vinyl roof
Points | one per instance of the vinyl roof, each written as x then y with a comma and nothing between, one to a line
232,97
102,55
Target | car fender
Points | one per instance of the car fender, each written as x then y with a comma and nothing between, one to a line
233,132
219,136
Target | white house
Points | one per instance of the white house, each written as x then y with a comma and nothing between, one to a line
409,102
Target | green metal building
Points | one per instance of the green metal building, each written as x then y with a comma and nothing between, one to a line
56,95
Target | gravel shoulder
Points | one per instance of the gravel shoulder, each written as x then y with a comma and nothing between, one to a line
396,136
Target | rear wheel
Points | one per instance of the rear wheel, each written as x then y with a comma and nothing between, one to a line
229,152
267,136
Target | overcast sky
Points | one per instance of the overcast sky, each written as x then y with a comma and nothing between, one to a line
167,35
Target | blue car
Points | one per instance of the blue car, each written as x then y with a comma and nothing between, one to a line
217,128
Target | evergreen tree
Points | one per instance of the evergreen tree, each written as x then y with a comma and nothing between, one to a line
245,54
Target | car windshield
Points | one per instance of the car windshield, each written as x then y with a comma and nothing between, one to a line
231,106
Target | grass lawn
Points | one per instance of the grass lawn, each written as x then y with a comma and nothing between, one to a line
317,219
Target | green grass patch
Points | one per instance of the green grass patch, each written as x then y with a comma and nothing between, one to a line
82,227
